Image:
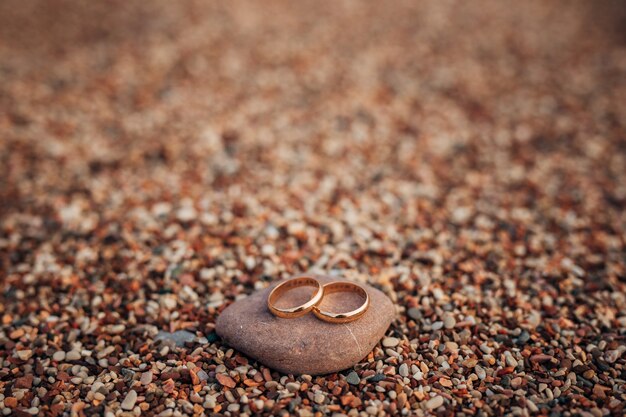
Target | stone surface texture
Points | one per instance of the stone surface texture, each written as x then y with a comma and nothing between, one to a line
304,345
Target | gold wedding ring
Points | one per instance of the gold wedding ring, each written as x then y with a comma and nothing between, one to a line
343,286
290,284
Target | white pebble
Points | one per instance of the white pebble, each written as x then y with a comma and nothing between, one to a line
72,355
292,386
24,354
130,400
391,342
434,402
146,378
448,321
186,214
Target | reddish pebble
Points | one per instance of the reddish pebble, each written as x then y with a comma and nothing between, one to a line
226,381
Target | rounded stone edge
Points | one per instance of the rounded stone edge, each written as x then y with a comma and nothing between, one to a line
287,369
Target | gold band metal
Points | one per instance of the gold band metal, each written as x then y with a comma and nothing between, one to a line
290,284
343,286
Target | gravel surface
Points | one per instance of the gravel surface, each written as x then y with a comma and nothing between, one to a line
161,159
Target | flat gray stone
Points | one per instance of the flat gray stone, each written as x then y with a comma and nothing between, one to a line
179,337
305,345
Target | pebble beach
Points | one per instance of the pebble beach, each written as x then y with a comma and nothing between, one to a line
162,160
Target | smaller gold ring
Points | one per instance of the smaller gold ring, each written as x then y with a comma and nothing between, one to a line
298,311
343,286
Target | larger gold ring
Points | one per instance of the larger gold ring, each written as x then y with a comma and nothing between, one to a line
290,284
343,286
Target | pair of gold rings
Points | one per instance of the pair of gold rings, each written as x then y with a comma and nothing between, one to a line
316,299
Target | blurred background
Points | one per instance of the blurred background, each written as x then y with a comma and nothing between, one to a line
122,104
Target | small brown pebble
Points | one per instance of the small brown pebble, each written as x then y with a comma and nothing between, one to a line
16,334
445,382
169,385
346,399
600,391
470,363
541,358
589,374
402,400
24,382
195,380
250,383
516,382
226,380
10,402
